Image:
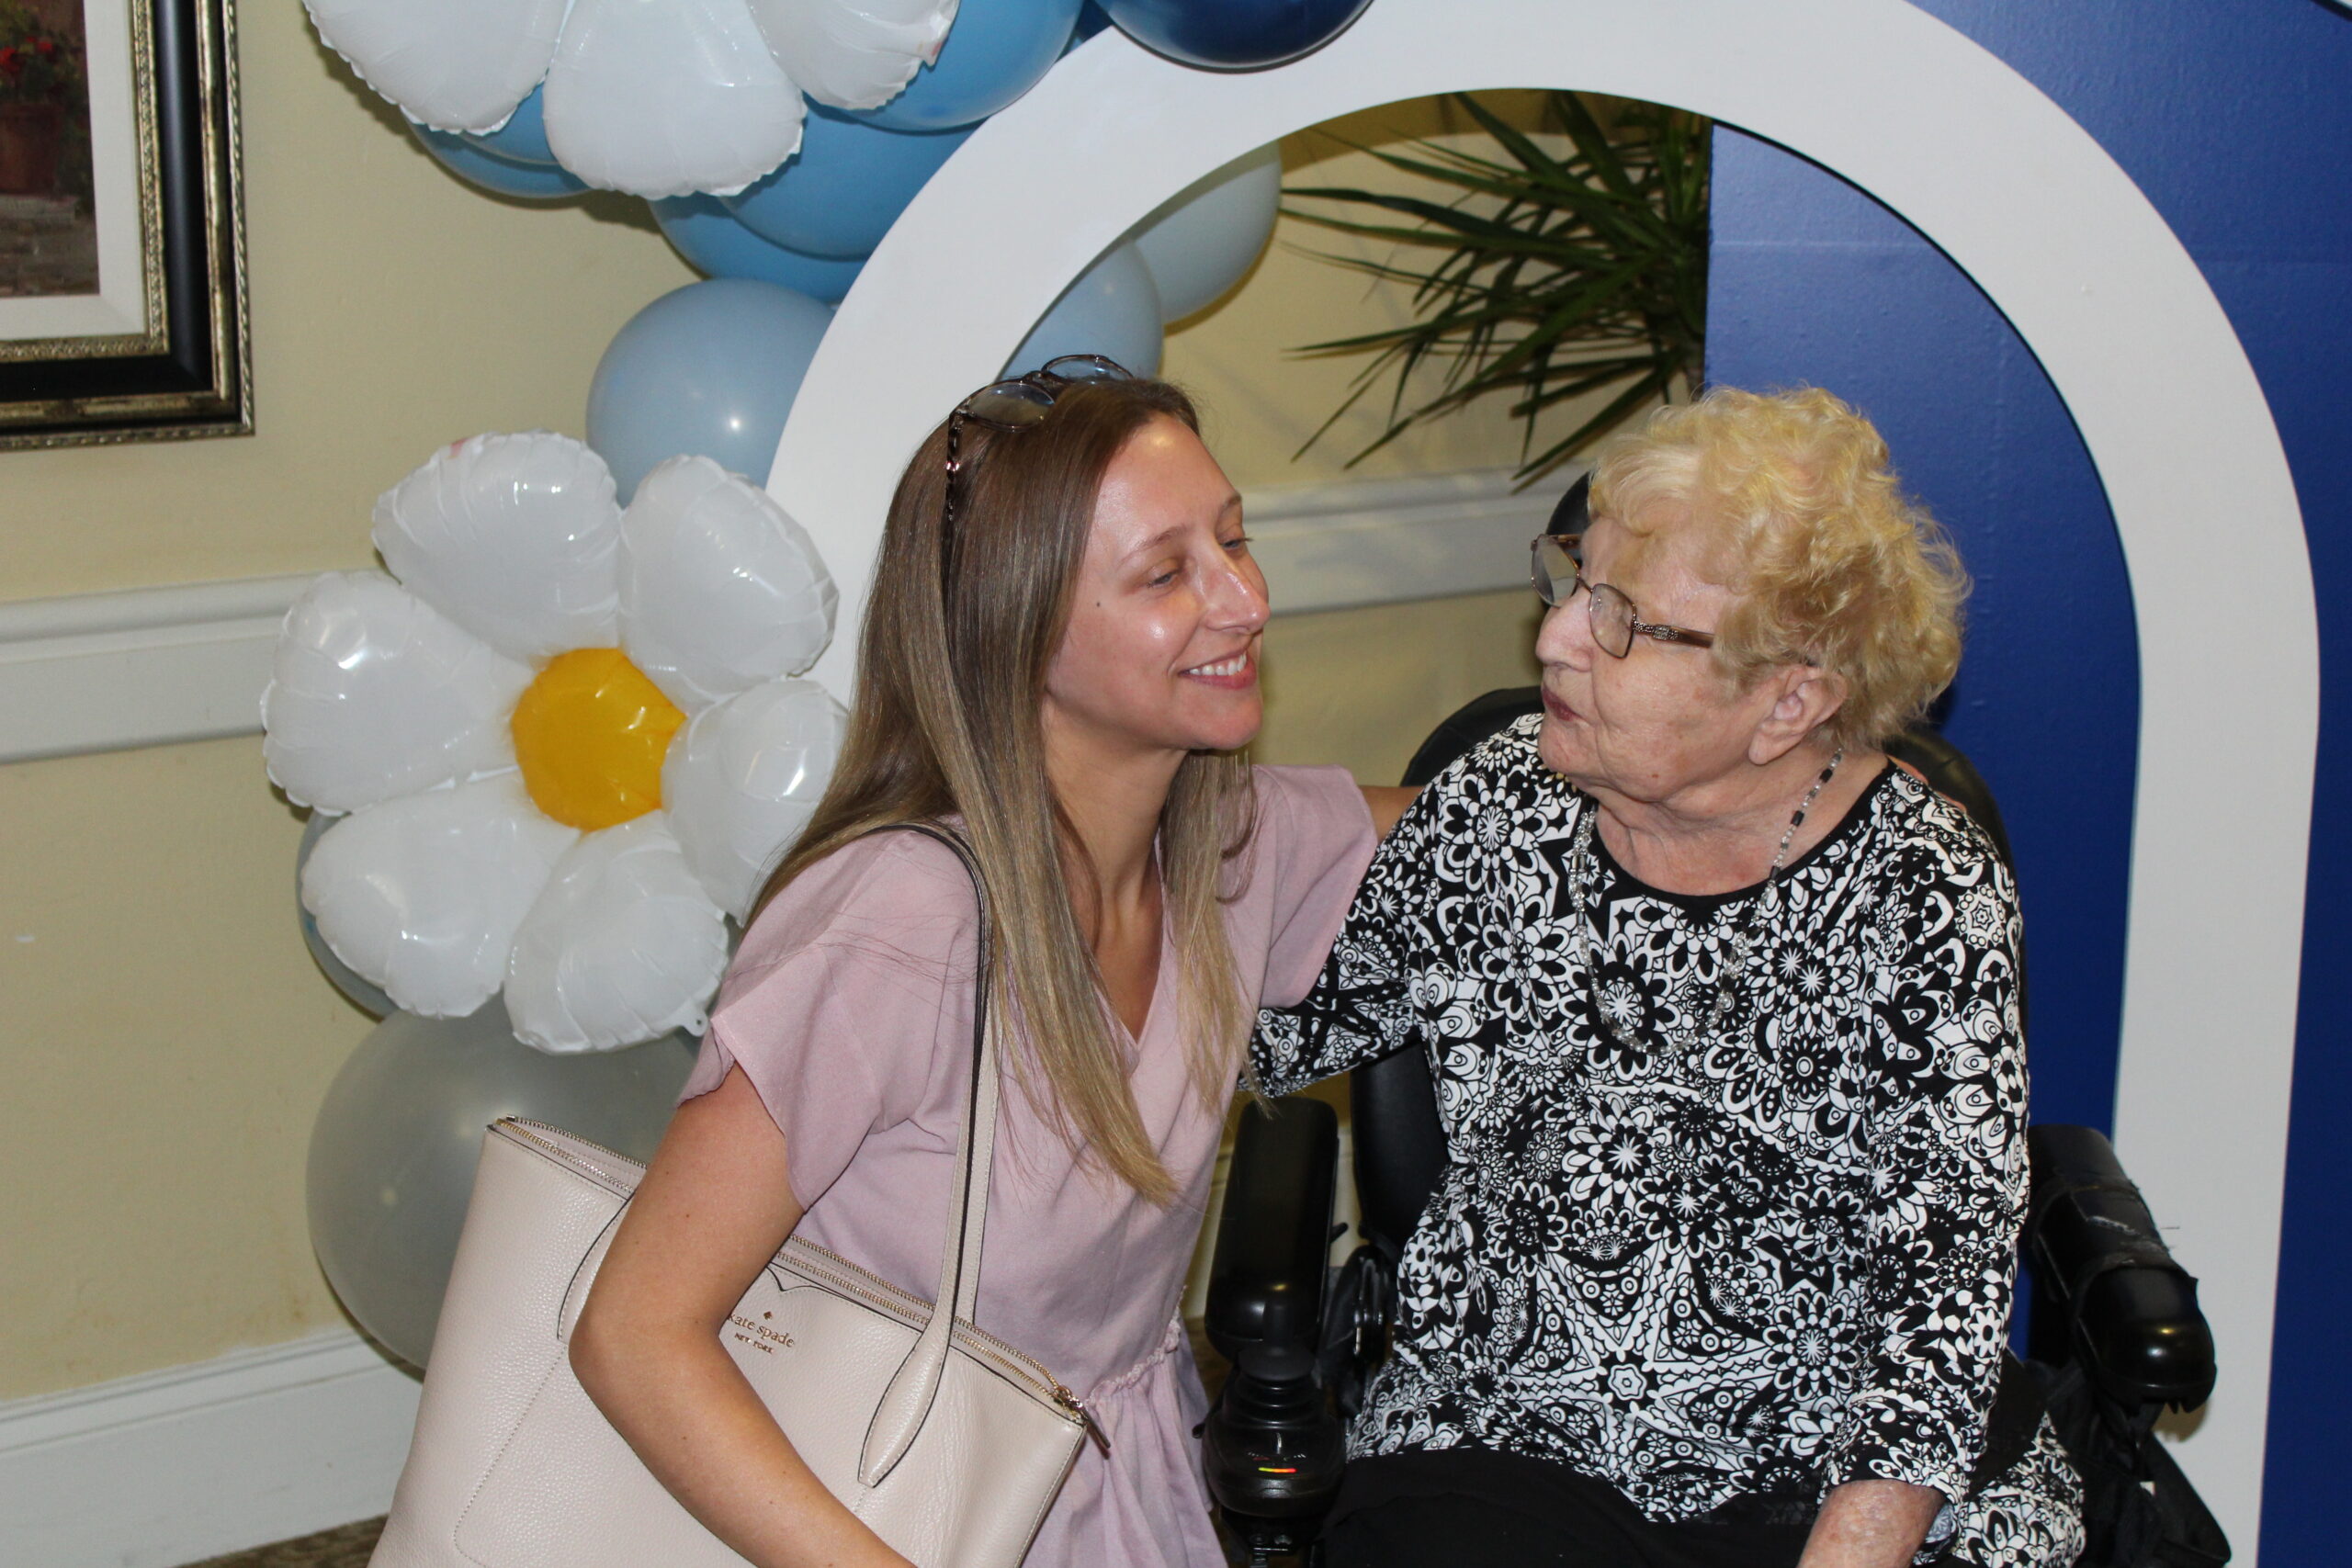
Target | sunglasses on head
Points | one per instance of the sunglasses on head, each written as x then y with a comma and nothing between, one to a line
1019,404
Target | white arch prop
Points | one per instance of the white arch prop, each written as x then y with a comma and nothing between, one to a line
2057,235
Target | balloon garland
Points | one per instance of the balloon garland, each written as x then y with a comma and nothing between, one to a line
697,105
551,750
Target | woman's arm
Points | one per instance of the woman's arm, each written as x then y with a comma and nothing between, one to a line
1945,1110
713,1209
1387,802
1870,1524
1360,1006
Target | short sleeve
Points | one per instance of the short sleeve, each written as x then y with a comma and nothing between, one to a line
839,1001
1315,840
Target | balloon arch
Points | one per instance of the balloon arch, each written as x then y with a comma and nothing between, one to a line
2049,227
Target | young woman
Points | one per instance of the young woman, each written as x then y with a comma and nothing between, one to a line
1060,658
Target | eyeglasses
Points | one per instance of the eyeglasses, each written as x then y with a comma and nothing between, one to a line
1557,567
1016,405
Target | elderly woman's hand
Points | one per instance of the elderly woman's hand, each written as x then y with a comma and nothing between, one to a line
1870,1524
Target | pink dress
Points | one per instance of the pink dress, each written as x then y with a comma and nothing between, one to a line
849,1009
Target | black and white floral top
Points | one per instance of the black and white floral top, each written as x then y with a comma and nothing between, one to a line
1711,1252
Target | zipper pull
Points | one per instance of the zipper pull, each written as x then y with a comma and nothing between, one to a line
1077,1407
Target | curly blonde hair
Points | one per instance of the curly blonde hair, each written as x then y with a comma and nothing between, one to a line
1794,509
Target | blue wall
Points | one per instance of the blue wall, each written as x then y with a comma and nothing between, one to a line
2235,117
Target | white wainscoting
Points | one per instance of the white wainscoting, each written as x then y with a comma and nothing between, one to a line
179,1465
102,672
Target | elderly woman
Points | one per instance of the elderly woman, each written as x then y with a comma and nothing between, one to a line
1722,1008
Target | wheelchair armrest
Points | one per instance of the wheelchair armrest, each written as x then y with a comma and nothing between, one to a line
2132,1310
1270,1448
1273,1236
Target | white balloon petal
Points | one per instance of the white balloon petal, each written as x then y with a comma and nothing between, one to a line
450,64
665,97
742,781
422,895
374,694
720,590
623,946
854,54
514,537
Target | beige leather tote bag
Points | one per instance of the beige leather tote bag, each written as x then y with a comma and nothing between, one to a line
948,1442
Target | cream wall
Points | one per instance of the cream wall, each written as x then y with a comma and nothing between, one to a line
165,1036
1364,687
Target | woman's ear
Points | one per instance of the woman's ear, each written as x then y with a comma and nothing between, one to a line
1805,698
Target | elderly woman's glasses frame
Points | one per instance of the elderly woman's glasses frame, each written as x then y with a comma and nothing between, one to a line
1018,404
1557,565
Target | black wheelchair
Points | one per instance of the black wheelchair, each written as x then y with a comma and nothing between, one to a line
2118,1338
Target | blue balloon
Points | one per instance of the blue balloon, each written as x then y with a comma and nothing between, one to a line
523,139
710,369
1233,35
1202,240
995,52
499,176
1113,309
840,194
701,230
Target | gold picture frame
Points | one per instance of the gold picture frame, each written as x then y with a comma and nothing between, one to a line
139,331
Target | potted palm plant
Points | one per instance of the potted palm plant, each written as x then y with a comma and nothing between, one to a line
1552,272
39,79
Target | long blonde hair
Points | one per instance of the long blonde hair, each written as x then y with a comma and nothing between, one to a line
959,634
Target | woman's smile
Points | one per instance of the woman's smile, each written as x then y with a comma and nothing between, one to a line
1236,672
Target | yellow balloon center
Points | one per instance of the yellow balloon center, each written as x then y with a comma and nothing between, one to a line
591,733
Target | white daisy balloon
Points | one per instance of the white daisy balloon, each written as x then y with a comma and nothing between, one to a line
653,97
568,738
854,54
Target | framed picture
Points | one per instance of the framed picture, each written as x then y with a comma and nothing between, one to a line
122,300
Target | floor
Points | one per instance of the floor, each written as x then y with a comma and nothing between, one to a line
347,1547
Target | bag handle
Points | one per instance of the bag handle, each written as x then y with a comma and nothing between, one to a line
907,1401
914,1388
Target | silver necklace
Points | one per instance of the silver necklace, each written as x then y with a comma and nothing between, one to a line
1588,866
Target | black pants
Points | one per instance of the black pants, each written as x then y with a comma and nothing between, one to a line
1467,1508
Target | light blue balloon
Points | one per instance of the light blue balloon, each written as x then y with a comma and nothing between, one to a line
1199,242
368,997
523,139
839,195
1113,309
393,1150
702,230
499,176
710,369
995,52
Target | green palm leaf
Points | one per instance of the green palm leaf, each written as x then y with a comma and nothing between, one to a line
1558,274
